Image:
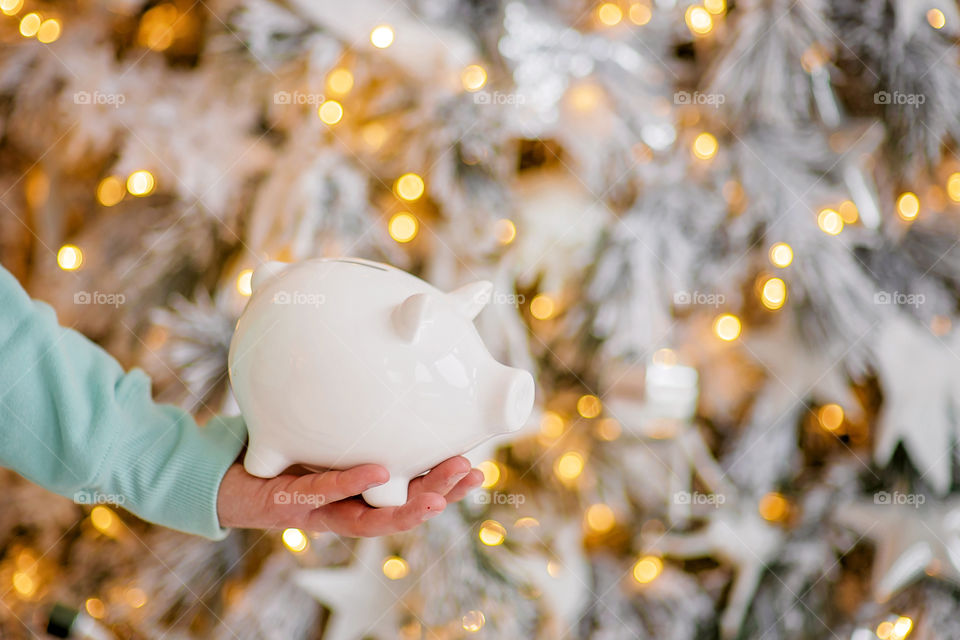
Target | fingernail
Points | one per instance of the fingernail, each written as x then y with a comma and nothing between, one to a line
430,514
374,484
457,478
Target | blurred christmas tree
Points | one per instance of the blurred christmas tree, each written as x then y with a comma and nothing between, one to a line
724,235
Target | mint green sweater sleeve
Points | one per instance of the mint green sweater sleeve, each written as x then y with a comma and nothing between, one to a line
73,421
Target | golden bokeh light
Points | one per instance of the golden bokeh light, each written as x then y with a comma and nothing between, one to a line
774,293
330,112
505,230
647,568
608,429
30,24
491,473
936,18
704,146
382,36
953,187
773,507
49,31
830,416
908,205
295,540
830,222
403,227
11,7
95,607
492,533
141,183
552,424
698,20
473,621
473,77
848,212
69,257
781,254
600,518
589,406
244,282
727,327
340,81
609,14
569,466
716,7
24,583
542,307
395,568
409,186
640,14
110,191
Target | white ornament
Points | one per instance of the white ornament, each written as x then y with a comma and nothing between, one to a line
914,536
343,362
363,601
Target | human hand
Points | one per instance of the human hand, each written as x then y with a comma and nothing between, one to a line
332,501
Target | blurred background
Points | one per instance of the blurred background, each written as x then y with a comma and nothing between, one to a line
724,236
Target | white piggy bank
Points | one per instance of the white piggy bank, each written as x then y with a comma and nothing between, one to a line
341,362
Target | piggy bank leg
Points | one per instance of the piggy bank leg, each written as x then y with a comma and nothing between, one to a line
391,494
264,463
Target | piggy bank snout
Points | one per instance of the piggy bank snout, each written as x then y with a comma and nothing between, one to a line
511,397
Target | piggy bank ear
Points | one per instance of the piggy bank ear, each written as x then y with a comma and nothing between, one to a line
471,298
410,316
266,272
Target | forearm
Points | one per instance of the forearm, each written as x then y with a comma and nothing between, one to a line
74,422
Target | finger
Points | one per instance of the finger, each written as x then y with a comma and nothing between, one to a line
356,518
442,478
317,489
470,482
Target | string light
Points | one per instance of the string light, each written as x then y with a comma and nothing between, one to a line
473,77
11,7
936,18
773,507
382,36
705,146
585,96
95,607
774,293
110,191
589,406
781,254
505,230
69,257
330,112
49,31
244,281
551,424
666,357
374,135
554,568
953,187
848,212
403,227
491,473
473,621
395,568
569,466
30,24
156,30
409,186
830,416
716,7
295,540
600,517
698,20
830,222
24,584
727,327
141,183
647,568
542,306
608,429
908,205
105,521
340,81
136,597
526,522
609,14
901,628
492,533
640,14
